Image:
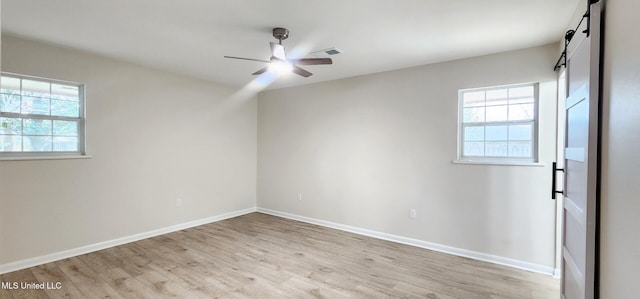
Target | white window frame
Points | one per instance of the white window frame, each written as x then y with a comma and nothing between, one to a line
81,119
525,161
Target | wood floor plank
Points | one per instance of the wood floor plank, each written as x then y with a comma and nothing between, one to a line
25,277
262,256
5,293
164,287
85,279
54,275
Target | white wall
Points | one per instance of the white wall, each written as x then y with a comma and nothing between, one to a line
620,193
365,150
153,136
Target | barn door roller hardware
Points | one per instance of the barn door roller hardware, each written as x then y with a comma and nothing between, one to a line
562,61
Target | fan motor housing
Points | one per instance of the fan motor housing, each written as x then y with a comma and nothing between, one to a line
280,33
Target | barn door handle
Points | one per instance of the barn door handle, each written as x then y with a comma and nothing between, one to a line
554,169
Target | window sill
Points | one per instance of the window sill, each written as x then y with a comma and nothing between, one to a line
498,163
52,157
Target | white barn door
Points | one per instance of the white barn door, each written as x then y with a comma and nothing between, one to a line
581,160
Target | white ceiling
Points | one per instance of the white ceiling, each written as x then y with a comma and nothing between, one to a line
192,36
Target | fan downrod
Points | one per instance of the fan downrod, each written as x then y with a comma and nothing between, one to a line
280,33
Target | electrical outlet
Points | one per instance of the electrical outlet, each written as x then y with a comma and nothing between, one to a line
412,213
299,196
179,202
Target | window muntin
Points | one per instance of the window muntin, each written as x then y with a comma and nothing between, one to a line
499,123
40,116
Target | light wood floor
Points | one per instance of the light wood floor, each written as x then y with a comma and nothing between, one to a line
262,256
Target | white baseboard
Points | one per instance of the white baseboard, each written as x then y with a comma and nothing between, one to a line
419,243
35,261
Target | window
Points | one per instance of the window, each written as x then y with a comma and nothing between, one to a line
499,124
40,117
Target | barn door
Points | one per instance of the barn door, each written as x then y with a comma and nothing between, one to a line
581,160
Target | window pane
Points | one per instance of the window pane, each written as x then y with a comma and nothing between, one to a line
526,91
497,133
35,88
496,94
69,144
473,99
9,103
10,126
499,122
10,85
521,132
37,126
35,105
497,97
65,128
65,92
65,108
38,115
496,149
471,115
497,113
473,149
37,143
521,112
474,133
497,102
520,149
10,143
526,100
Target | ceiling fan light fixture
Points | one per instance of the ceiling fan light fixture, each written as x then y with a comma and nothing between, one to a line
280,67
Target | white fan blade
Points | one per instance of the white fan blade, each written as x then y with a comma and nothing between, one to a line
277,51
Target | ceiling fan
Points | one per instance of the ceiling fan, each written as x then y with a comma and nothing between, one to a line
280,63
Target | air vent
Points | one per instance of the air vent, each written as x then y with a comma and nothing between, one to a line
332,51
326,52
